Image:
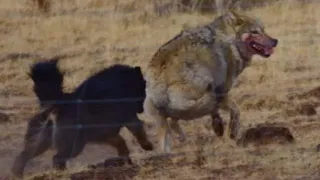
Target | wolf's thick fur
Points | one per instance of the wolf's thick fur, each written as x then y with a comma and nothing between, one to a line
190,76
68,127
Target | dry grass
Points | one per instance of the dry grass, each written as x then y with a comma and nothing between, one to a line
91,35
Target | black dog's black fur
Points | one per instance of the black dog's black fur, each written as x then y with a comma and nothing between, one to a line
87,122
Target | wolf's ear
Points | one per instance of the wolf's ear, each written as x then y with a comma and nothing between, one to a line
234,18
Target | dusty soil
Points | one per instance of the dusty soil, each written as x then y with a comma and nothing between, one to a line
279,97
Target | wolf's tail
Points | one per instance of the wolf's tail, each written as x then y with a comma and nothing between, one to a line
48,81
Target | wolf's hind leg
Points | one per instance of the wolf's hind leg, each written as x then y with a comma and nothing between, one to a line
164,134
174,124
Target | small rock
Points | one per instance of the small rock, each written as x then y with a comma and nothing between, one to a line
4,118
265,134
318,148
308,110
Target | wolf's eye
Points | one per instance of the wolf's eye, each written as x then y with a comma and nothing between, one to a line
255,32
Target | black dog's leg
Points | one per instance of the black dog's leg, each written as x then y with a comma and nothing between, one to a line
136,128
31,150
37,141
69,145
119,143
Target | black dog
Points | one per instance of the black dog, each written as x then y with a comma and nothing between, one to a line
69,126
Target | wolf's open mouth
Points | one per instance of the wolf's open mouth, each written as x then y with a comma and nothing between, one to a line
262,50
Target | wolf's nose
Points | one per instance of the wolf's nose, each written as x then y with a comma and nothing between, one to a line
274,42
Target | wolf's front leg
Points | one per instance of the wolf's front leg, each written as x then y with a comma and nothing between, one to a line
229,105
217,123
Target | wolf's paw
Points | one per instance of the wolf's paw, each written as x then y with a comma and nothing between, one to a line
233,134
218,126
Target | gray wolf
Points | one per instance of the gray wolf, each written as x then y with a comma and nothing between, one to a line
69,127
190,75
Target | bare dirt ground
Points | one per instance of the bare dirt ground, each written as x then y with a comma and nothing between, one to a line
277,93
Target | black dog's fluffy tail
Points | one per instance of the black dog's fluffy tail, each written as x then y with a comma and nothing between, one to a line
48,81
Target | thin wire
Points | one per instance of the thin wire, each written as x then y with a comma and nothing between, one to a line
113,100
87,126
123,124
122,100
77,101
